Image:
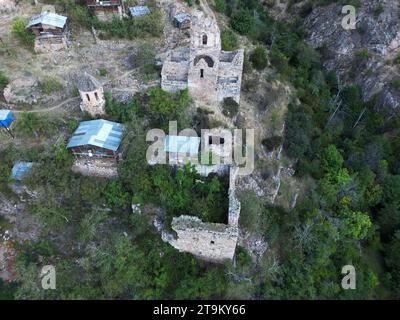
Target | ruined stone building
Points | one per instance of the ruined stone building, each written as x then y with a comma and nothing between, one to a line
92,95
209,241
50,31
209,73
105,10
214,242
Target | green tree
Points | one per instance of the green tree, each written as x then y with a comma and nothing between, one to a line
242,21
259,58
18,30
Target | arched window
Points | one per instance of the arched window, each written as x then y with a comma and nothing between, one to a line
97,96
201,73
205,39
87,97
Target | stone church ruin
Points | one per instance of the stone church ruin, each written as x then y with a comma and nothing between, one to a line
211,75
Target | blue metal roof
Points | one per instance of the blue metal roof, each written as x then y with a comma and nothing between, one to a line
182,144
139,11
5,118
99,133
48,18
20,169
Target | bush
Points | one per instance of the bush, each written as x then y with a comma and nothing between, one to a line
49,85
150,24
229,40
144,59
18,30
242,21
230,107
103,72
3,81
30,124
259,58
272,143
280,61
220,5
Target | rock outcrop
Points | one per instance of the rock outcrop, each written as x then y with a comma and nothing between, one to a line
363,56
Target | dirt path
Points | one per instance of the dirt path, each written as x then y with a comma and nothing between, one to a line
47,109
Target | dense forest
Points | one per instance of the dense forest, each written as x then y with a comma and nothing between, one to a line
351,214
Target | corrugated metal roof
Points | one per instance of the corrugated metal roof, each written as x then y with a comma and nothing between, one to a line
48,18
20,169
99,133
139,11
5,114
182,17
182,144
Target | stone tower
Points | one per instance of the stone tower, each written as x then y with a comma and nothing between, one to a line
205,50
92,95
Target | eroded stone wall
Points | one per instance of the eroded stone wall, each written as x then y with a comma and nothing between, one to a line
209,241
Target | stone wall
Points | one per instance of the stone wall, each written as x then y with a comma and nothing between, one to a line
209,241
214,242
46,44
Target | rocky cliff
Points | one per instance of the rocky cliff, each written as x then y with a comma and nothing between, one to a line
368,55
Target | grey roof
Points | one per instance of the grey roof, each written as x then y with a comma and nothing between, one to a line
139,11
48,18
88,83
20,169
182,144
99,133
4,114
182,17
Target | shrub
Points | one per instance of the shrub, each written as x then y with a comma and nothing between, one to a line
3,81
259,58
242,21
280,61
378,10
144,59
30,124
18,30
230,107
272,143
103,72
220,5
49,85
395,83
229,40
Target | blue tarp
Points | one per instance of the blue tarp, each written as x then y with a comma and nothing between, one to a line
20,169
182,144
139,11
5,118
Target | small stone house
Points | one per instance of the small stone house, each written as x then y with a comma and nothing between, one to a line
182,20
50,31
105,10
92,95
96,139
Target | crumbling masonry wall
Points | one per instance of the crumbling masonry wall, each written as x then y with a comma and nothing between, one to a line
210,241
